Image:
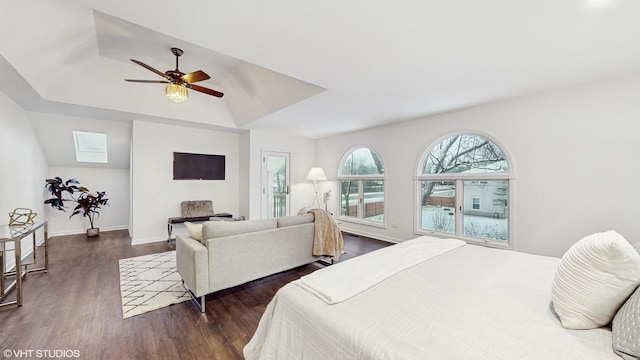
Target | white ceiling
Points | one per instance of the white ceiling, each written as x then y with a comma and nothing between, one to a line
310,68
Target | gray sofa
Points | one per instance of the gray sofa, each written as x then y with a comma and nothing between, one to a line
231,253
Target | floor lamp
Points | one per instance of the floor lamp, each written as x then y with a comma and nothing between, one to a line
316,174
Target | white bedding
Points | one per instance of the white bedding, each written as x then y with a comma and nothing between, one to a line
345,280
469,303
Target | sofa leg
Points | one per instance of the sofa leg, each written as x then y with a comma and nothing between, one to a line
199,304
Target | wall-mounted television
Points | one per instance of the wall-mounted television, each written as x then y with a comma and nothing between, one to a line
187,166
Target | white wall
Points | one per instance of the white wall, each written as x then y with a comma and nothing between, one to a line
156,196
303,157
574,154
244,183
23,167
115,216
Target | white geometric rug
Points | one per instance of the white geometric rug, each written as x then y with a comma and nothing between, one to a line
150,282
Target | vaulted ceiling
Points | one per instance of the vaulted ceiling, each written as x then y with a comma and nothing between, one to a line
308,68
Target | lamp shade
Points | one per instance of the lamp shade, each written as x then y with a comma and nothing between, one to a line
316,173
176,93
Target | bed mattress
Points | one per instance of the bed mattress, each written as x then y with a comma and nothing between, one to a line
471,302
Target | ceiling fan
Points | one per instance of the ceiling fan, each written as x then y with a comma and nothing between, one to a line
178,81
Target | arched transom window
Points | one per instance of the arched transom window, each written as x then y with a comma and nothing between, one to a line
361,183
463,190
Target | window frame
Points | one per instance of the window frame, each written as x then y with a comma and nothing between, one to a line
361,179
459,179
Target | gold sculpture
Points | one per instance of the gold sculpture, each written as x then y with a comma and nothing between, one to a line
21,216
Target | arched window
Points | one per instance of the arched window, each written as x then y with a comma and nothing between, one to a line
361,183
463,190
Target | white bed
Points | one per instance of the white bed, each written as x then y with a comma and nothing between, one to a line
470,302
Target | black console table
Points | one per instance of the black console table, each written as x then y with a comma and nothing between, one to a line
180,220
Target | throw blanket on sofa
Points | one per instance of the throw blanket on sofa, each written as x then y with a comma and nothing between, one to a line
327,240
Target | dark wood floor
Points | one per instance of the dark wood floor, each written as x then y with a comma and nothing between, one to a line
76,306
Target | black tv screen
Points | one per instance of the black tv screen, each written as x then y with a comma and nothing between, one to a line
187,166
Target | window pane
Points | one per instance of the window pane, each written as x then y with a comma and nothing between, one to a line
465,153
485,209
90,147
277,186
438,205
476,203
349,198
373,206
362,161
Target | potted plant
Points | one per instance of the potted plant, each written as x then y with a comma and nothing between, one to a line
88,203
88,206
57,188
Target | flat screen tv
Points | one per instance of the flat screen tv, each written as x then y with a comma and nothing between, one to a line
187,166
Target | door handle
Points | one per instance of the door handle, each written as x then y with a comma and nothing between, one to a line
287,190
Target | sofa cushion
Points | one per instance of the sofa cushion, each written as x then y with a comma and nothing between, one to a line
295,220
195,230
217,229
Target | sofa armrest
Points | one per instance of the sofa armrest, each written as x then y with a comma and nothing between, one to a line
192,263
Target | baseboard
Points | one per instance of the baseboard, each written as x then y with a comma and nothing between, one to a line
370,235
84,231
139,241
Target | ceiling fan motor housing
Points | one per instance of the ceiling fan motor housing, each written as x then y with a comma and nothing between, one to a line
175,75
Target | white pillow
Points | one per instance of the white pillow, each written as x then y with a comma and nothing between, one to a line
594,278
195,230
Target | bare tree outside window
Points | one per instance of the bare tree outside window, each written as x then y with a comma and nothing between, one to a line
361,180
463,154
463,157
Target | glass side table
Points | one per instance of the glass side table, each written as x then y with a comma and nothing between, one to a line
10,242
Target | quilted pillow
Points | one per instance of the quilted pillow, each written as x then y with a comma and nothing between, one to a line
195,230
626,329
594,278
197,208
637,246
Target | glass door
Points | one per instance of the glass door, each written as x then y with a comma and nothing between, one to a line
275,184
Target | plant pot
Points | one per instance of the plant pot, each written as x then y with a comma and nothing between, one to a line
93,232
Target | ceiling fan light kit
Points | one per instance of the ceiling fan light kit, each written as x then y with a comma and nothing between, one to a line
176,93
177,81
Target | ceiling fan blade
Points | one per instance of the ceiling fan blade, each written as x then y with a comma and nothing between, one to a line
204,90
148,81
151,69
195,76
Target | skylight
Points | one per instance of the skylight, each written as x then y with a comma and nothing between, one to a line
90,147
